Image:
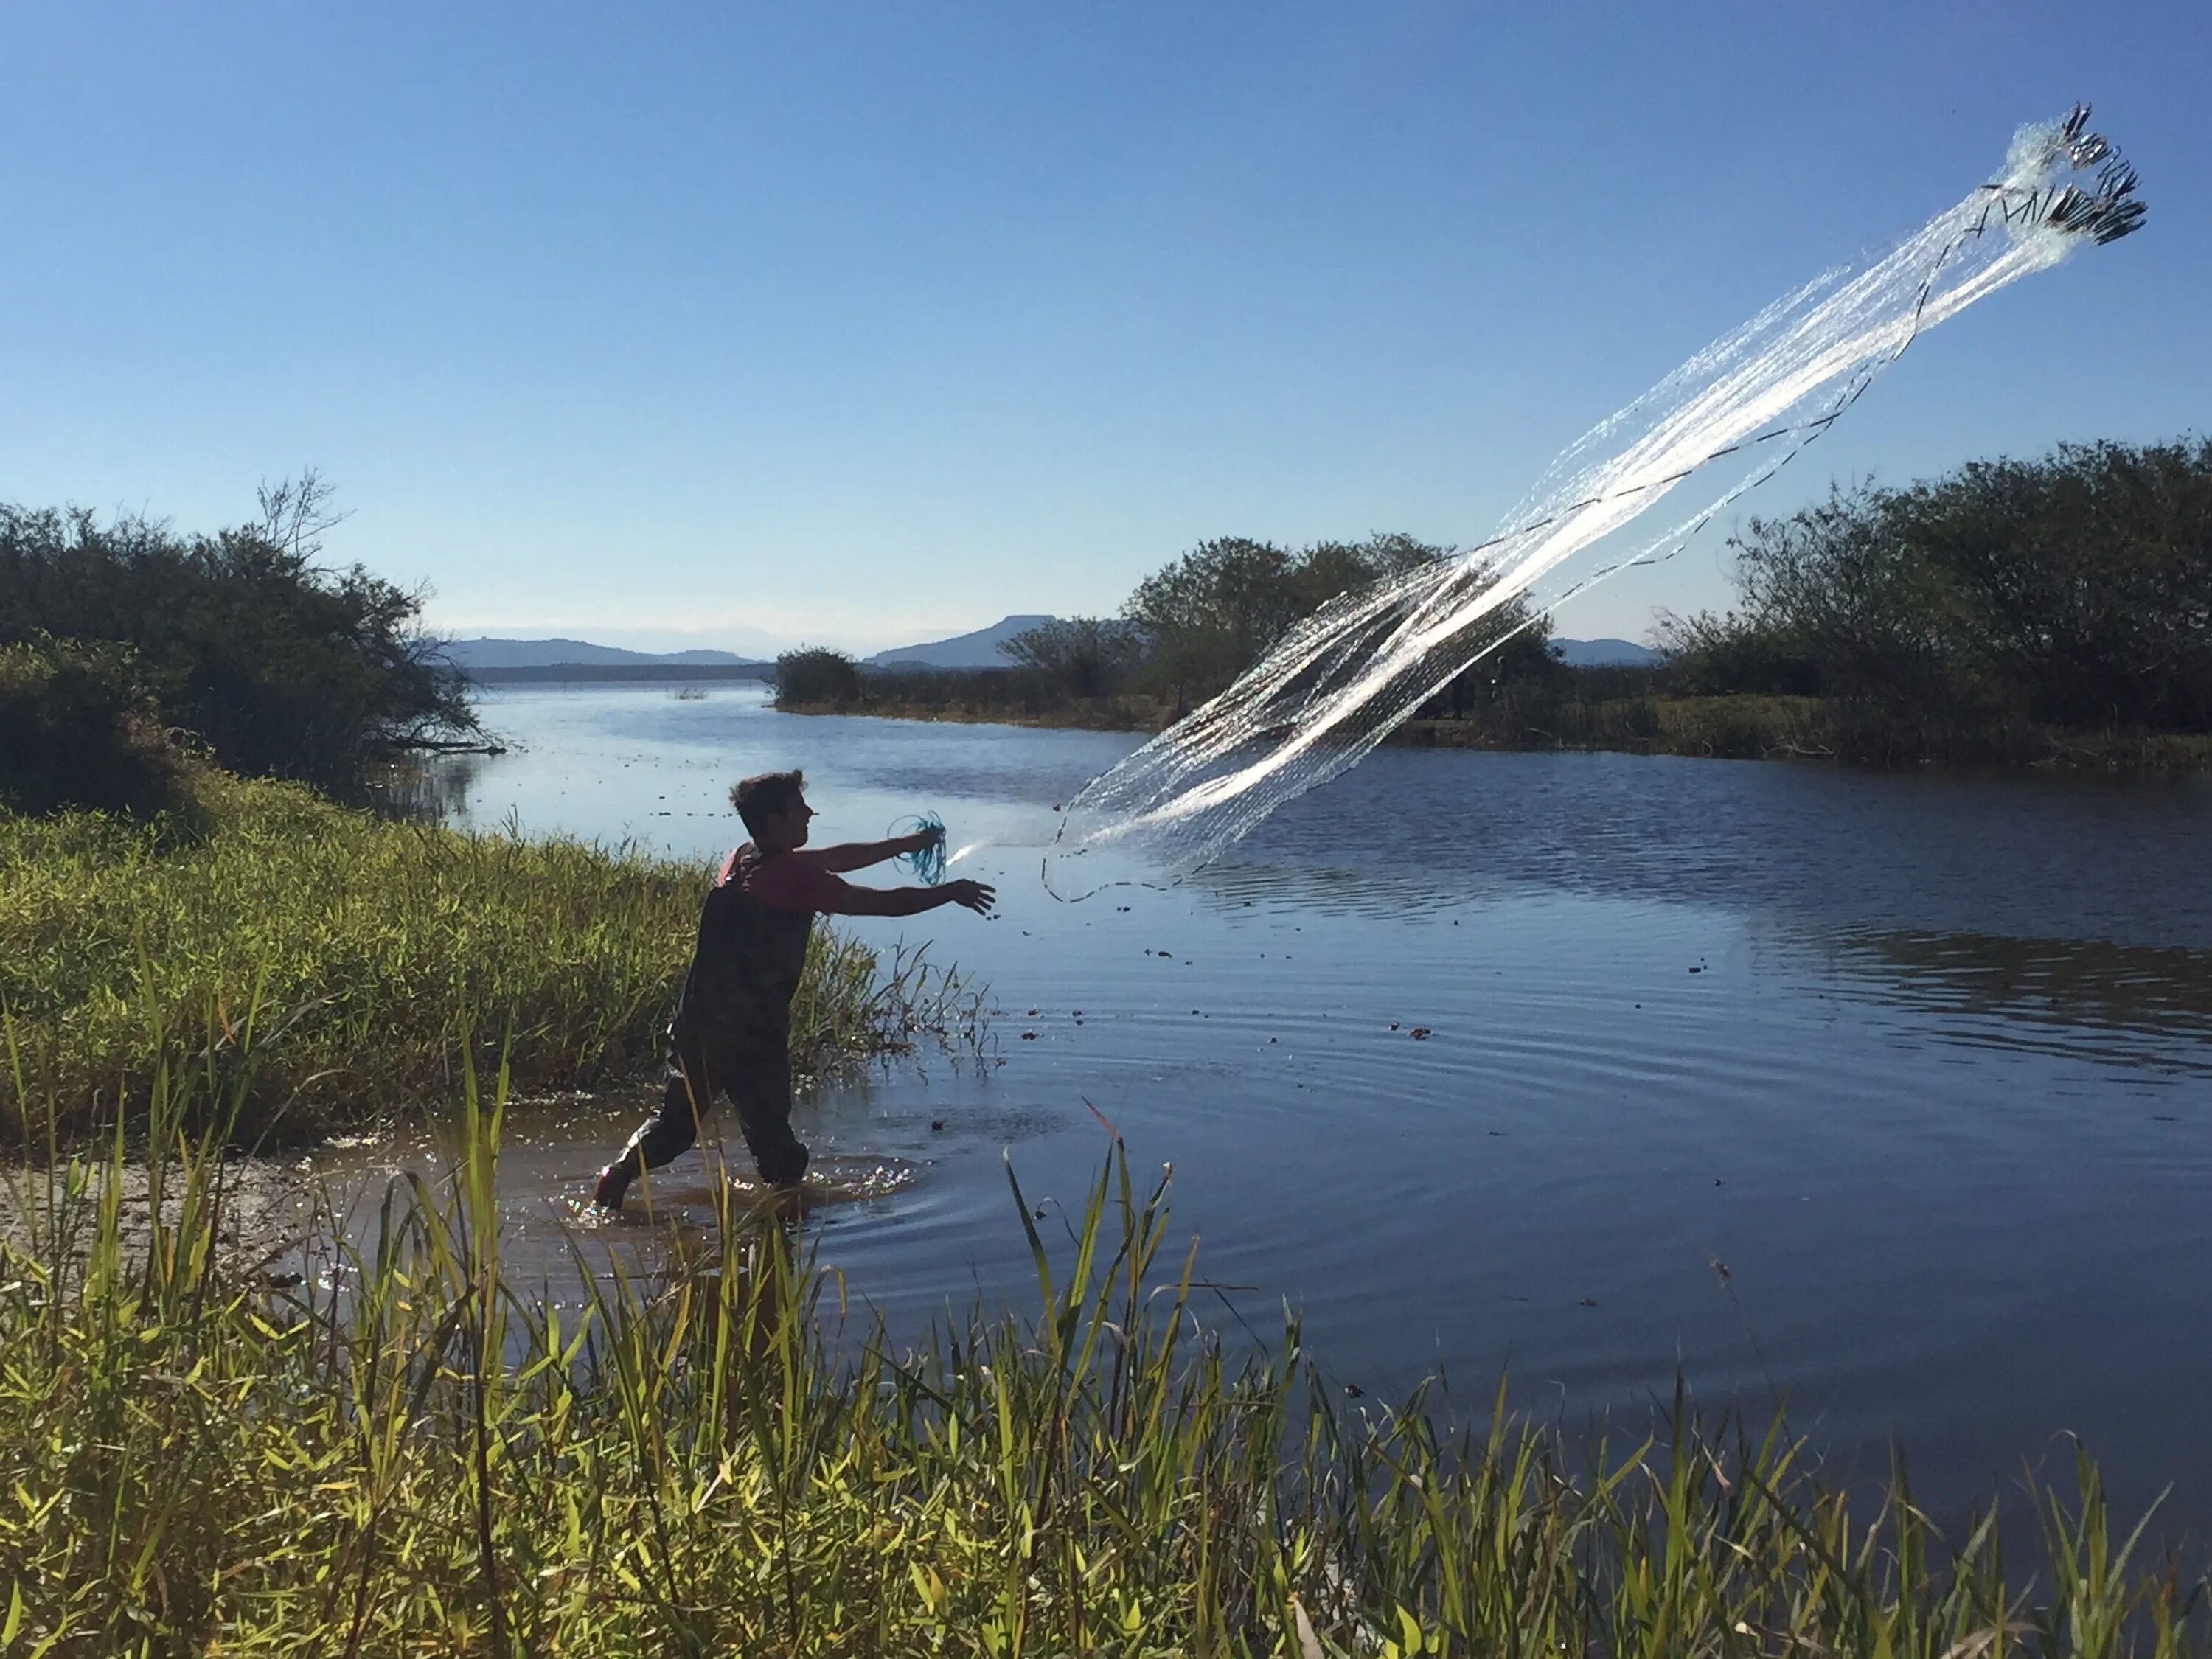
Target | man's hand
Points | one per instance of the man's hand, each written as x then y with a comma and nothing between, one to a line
921,839
973,894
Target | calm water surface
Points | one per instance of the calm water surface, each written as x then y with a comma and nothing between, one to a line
1926,1062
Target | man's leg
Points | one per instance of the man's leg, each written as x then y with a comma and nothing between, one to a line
670,1132
759,1086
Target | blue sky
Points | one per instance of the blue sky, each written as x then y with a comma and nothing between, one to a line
741,324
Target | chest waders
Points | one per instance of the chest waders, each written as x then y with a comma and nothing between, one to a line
731,1036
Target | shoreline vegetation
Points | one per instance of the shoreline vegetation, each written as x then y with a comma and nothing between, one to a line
2055,612
424,1454
318,967
1604,710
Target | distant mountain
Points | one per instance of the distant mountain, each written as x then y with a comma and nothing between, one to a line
977,650
1605,654
468,654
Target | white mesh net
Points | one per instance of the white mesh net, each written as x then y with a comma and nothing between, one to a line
1344,678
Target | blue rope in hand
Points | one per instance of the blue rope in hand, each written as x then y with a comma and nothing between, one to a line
927,865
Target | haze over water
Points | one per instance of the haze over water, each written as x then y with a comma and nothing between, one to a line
1925,1062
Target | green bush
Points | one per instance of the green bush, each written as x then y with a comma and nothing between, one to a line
1213,613
2074,590
1079,658
78,728
284,668
815,677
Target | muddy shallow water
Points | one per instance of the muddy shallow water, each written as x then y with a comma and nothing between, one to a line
1495,1063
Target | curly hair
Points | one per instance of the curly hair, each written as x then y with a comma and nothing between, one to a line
765,794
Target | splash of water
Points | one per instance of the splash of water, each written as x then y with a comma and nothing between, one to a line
1734,414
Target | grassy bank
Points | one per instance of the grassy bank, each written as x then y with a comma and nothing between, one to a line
439,1462
337,966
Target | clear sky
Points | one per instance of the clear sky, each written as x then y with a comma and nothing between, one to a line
735,325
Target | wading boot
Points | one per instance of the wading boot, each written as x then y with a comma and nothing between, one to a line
614,1181
783,1166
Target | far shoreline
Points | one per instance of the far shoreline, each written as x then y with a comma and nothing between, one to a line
1737,727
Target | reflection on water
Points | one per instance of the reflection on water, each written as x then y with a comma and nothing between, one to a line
2061,995
2041,856
434,790
1926,1060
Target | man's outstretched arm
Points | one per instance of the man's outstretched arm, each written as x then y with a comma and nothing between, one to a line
913,901
860,855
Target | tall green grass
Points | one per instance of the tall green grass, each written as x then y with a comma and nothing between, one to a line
424,1456
356,959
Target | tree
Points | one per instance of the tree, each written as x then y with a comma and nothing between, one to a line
281,667
1082,657
815,676
2071,590
1207,617
1329,568
1213,613
78,728
2078,587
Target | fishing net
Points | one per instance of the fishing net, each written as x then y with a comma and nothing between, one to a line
1731,417
926,864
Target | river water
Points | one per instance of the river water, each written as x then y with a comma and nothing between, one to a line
1889,1096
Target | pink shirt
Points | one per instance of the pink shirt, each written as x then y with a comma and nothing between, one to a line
787,882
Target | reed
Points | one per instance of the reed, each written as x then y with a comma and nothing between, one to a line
421,1455
364,963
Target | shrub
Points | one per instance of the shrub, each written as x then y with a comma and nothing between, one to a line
815,675
1080,657
2074,590
285,669
1220,609
78,728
